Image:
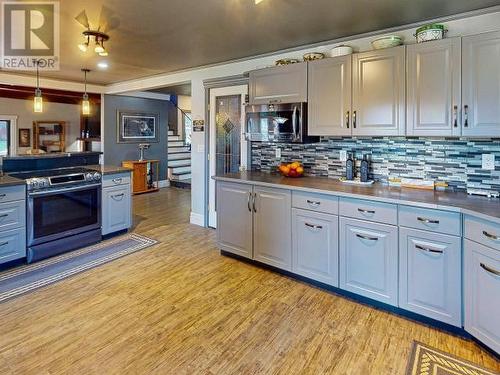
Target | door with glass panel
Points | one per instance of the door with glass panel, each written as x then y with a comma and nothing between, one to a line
228,147
4,137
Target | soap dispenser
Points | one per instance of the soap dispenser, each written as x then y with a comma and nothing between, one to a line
349,167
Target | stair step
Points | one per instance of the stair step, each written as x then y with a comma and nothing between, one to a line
179,162
181,177
184,184
176,144
178,150
174,138
179,169
179,156
170,132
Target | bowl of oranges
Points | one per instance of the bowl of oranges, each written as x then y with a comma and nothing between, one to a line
294,169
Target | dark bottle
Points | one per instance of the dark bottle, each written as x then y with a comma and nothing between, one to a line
349,167
363,172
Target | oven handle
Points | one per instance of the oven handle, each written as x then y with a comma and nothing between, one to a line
63,190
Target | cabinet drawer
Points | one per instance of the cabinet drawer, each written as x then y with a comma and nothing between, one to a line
386,213
482,231
116,179
12,245
315,246
12,193
430,220
315,202
12,215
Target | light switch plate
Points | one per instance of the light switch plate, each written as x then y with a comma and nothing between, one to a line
278,152
488,161
343,155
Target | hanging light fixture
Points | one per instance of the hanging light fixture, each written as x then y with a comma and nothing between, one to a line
38,100
85,101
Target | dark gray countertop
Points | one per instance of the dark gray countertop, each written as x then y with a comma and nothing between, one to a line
6,180
108,169
52,155
486,208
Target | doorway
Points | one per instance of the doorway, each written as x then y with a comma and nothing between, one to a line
228,149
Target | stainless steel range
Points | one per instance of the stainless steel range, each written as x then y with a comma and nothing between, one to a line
63,210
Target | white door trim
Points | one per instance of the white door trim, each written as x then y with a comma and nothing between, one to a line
214,93
13,132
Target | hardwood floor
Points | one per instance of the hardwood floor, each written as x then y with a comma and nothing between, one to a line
181,308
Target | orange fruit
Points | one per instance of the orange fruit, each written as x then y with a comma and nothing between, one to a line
295,165
285,170
300,170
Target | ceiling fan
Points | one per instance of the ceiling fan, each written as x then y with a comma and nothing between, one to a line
98,35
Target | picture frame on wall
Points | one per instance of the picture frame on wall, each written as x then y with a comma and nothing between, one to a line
137,127
24,138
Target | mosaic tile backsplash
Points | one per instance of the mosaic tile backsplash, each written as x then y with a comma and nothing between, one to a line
456,161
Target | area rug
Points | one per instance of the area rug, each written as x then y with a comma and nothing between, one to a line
25,279
425,360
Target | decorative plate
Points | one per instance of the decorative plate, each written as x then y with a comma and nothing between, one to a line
314,56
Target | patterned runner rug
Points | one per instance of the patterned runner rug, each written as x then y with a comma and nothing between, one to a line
25,279
425,360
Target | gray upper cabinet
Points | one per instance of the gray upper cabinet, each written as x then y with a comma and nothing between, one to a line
234,218
273,227
378,100
433,78
481,85
280,84
329,94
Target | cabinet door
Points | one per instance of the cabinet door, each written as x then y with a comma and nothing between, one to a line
315,246
116,209
369,259
281,84
12,244
273,227
433,88
329,96
378,100
481,85
430,271
482,291
234,218
139,177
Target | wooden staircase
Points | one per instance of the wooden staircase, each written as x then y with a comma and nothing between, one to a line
179,162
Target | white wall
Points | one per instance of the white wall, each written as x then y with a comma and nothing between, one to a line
457,27
23,109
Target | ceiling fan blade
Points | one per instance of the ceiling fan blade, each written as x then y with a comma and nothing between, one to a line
106,19
83,19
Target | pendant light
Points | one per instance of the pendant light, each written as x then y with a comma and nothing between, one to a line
85,101
38,100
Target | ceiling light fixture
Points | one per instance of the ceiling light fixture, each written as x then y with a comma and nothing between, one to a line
98,38
102,65
38,100
85,101
258,1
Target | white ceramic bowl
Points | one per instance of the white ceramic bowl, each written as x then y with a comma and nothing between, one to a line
340,51
387,42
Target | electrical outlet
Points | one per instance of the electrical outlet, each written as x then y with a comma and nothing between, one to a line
343,155
488,161
278,152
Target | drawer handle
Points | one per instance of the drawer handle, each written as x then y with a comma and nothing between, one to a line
489,269
427,221
3,215
4,243
313,203
118,196
117,180
366,237
429,250
312,226
366,211
2,195
490,236
248,201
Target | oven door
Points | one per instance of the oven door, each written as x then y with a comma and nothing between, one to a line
275,123
64,212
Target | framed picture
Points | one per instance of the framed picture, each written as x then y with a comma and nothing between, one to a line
24,138
137,127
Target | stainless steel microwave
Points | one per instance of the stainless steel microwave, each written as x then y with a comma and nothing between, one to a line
283,123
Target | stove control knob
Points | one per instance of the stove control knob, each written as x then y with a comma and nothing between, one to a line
35,184
88,177
97,176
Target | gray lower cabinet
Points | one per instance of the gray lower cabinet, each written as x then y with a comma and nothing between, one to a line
430,269
369,259
280,84
482,291
315,251
116,208
329,96
12,244
12,223
234,218
481,85
378,92
433,91
272,227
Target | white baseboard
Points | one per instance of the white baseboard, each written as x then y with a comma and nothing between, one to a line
197,219
163,183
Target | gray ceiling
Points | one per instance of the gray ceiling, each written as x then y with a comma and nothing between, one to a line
184,89
156,36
